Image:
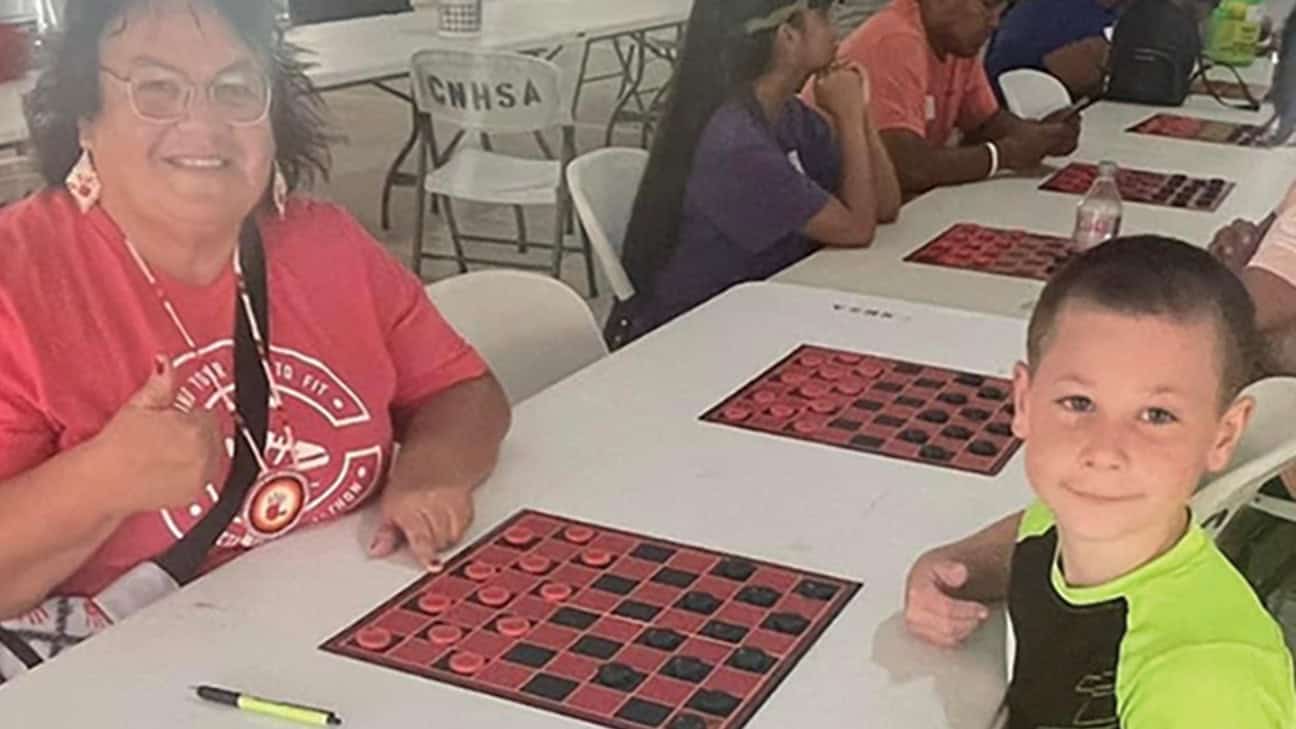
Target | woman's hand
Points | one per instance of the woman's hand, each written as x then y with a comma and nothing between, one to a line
430,518
165,457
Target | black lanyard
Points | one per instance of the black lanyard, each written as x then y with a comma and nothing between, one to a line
184,559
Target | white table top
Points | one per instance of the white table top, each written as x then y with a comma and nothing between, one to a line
619,443
1262,177
379,47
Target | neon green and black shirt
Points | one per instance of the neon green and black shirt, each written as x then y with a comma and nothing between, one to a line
1180,643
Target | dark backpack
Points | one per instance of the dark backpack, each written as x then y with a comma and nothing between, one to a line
1154,50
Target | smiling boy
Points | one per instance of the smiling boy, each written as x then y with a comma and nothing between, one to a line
1124,612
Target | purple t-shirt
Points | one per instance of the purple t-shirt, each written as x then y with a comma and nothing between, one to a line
751,191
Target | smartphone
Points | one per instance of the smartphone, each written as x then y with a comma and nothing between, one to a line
1078,106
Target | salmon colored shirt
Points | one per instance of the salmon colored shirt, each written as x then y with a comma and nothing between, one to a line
912,88
355,345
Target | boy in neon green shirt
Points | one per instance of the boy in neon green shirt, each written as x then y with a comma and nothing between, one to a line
1125,614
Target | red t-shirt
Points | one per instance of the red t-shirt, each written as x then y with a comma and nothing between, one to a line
911,87
354,340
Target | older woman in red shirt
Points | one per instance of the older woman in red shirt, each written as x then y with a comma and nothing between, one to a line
168,265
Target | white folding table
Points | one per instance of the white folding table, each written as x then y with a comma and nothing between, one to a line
1010,201
619,443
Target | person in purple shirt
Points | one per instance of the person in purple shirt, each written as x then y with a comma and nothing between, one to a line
1062,37
744,178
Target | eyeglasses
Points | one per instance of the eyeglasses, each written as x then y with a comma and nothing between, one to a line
237,97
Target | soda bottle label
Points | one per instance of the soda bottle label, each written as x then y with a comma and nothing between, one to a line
1094,227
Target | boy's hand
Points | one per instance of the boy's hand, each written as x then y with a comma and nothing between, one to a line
931,611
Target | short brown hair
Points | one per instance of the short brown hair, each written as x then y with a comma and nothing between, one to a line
1150,275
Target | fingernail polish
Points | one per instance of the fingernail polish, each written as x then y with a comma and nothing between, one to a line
159,364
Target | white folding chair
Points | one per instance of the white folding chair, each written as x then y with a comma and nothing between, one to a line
1033,94
532,330
482,94
603,185
1267,447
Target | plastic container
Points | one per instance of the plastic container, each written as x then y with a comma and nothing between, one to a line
1234,32
460,18
1098,216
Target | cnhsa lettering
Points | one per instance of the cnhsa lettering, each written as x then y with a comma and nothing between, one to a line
481,95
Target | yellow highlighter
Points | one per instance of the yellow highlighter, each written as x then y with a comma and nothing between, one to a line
279,709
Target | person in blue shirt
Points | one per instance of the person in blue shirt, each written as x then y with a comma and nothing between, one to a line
1062,37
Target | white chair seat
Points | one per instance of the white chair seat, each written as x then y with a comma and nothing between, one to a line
532,330
1267,447
1032,94
487,177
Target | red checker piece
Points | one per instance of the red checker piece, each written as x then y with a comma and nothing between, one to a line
513,627
596,557
871,370
794,378
479,571
823,406
814,390
736,413
782,410
849,387
444,634
374,638
535,564
494,596
832,372
808,425
811,360
466,664
847,358
433,603
578,534
555,592
519,536
764,397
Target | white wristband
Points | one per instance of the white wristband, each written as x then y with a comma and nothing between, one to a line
994,159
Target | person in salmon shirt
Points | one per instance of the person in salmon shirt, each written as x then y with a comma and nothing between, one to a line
932,102
174,135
